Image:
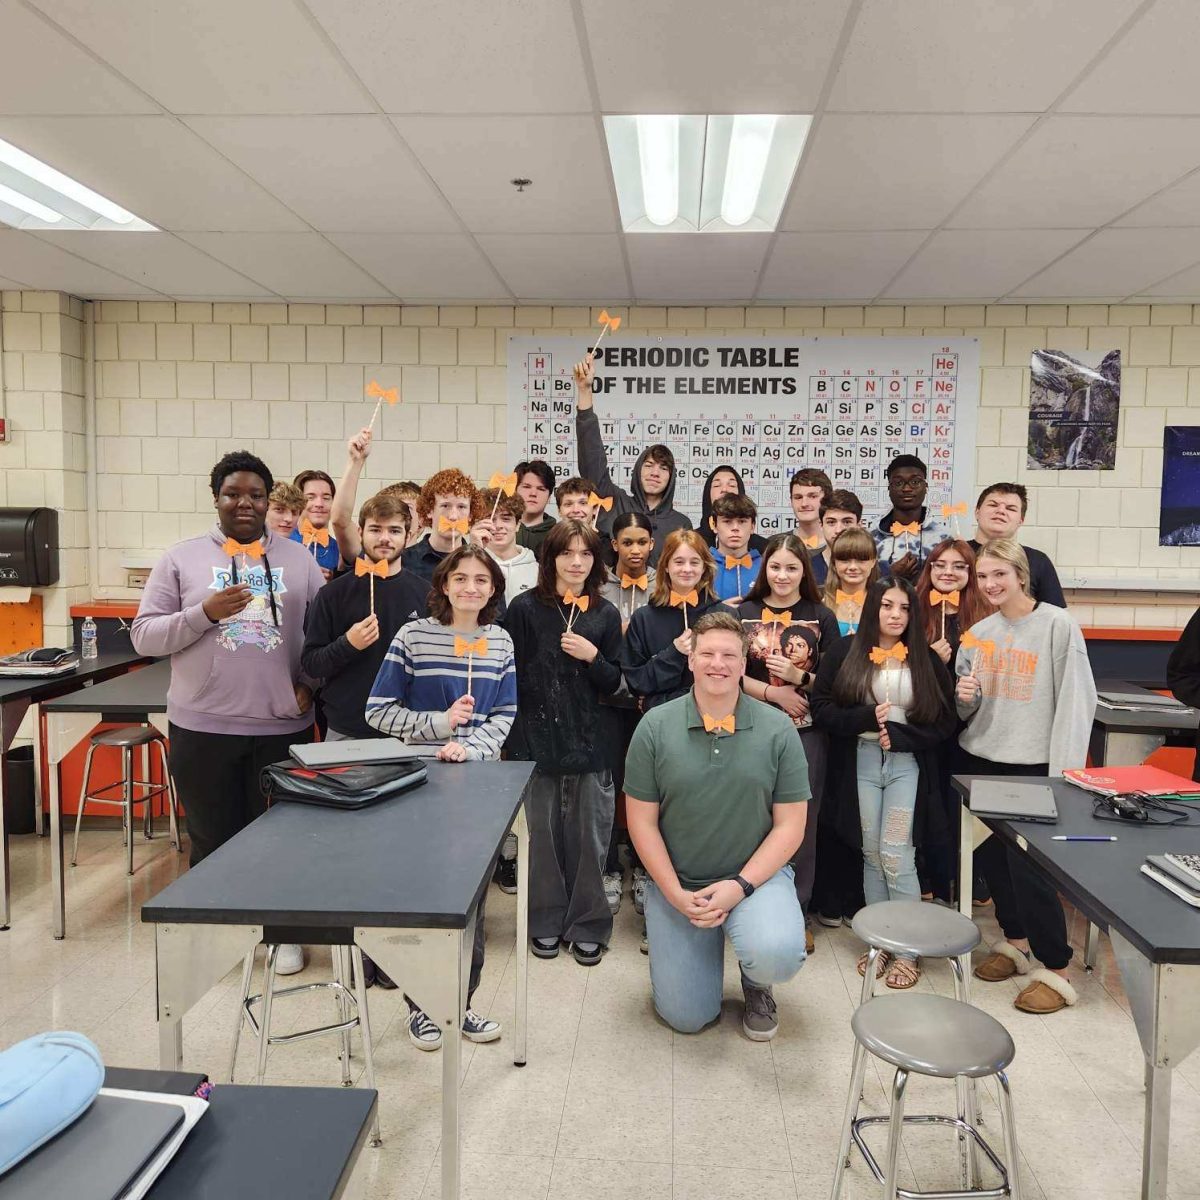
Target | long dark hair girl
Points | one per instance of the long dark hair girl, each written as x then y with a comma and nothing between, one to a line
555,543
761,588
854,683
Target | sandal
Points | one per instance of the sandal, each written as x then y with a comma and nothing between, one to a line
904,973
881,963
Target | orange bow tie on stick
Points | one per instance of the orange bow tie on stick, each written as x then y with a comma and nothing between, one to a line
859,597
955,511
596,503
715,725
945,598
912,529
979,645
391,395
880,657
461,526
505,485
610,325
576,604
311,535
470,649
678,601
639,581
777,618
363,567
233,548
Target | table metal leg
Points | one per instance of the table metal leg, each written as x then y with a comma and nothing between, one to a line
431,965
1091,946
39,815
58,895
188,961
966,865
521,1012
1162,997
5,886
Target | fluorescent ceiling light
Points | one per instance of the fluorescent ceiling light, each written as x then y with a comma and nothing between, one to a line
689,173
749,148
658,150
52,199
25,204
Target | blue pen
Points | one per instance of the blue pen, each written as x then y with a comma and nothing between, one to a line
1082,837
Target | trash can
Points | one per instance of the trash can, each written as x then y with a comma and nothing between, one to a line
18,790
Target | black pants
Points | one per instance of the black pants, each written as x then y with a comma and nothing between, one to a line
804,861
216,776
1027,905
627,722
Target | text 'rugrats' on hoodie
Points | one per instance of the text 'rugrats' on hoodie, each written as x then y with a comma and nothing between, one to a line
236,676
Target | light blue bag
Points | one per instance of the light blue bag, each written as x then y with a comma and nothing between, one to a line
46,1082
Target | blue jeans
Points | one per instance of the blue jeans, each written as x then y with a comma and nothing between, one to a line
687,964
887,797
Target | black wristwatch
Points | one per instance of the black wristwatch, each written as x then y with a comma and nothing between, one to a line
744,884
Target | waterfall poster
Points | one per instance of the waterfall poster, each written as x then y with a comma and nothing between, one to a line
1179,505
1074,402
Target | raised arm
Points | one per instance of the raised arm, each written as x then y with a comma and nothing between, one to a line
341,512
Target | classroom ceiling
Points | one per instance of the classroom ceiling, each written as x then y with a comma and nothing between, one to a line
334,150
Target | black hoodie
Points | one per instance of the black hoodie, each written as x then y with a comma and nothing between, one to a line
757,541
593,465
653,668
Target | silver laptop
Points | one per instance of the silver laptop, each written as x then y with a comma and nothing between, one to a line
1013,801
357,750
1139,699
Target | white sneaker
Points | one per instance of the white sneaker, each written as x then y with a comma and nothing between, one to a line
289,960
614,885
639,890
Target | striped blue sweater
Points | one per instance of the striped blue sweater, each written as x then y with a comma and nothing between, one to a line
421,678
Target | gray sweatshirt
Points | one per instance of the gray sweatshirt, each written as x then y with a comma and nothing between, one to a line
1038,695
237,676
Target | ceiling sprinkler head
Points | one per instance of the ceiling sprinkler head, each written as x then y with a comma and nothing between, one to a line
520,184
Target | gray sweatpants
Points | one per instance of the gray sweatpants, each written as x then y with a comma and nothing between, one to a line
570,820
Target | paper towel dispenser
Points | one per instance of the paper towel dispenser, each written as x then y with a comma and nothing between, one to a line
28,547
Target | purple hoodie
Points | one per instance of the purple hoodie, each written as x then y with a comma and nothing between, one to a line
237,676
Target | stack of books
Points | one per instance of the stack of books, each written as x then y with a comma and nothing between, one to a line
43,663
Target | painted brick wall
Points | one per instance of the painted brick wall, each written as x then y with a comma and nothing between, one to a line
179,383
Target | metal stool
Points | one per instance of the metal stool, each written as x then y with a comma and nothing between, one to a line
913,927
125,739
932,1036
352,1011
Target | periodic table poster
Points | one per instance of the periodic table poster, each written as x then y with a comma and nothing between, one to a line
768,406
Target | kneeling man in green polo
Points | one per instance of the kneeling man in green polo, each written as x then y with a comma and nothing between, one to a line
717,792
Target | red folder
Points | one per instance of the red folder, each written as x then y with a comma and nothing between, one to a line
1112,781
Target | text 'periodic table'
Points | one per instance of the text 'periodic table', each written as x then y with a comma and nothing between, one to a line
767,406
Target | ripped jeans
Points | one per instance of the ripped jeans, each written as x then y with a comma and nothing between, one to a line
887,798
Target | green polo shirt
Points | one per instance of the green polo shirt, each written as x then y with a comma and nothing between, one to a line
715,791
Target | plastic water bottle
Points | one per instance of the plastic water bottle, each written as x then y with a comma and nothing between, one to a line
88,637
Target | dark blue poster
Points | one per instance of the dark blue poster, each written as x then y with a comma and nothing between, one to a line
1179,506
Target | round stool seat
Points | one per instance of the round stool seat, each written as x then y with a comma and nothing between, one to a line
914,927
933,1035
127,735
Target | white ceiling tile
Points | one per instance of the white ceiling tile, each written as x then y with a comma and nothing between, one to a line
882,171
43,72
297,266
709,56
153,166
461,56
47,268
160,261
473,159
215,56
1151,70
971,264
425,268
947,56
559,267
835,266
1083,171
11,285
1183,287
1114,264
349,174
1176,205
695,267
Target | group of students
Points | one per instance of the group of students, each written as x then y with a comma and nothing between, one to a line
780,717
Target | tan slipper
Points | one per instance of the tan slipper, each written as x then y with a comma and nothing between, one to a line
904,973
1046,993
881,963
1004,962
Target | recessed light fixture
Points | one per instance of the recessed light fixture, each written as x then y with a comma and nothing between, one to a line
688,173
50,198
